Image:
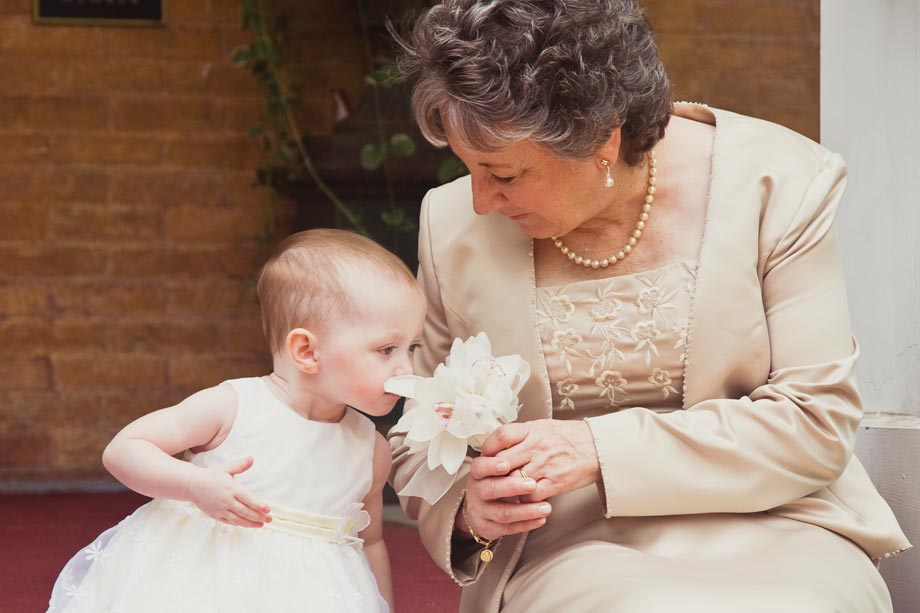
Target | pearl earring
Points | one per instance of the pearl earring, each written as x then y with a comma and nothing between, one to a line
608,180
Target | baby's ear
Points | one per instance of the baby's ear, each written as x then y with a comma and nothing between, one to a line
301,347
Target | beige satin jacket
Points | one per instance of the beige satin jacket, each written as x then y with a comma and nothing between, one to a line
771,405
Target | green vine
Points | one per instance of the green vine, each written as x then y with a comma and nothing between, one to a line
263,58
282,140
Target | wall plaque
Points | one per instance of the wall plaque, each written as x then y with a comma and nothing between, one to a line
100,12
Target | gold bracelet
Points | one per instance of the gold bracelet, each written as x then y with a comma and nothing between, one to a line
486,554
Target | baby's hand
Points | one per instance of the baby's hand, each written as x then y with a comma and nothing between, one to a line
214,491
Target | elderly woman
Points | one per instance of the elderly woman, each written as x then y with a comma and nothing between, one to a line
671,273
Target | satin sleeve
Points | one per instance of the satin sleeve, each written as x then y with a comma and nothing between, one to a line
787,438
455,555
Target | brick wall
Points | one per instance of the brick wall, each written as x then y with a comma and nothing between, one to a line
756,57
127,220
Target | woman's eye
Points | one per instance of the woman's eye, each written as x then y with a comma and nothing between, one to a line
503,180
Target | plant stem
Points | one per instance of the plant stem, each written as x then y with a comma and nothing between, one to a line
298,139
378,114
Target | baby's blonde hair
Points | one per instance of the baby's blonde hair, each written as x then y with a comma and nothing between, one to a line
301,284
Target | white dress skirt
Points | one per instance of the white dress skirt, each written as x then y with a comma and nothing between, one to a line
169,556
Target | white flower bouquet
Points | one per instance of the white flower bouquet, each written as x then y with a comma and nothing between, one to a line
470,395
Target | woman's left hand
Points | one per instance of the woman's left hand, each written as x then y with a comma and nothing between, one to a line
559,455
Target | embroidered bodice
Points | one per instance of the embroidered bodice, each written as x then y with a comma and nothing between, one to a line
617,342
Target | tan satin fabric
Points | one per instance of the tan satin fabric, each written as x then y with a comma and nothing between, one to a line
731,563
770,397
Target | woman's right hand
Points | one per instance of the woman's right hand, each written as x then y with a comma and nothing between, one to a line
492,508
214,491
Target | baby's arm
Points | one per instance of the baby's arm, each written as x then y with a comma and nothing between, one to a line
374,546
140,456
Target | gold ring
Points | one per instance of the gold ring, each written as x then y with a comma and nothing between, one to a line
523,474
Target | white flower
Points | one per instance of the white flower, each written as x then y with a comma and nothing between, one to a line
470,395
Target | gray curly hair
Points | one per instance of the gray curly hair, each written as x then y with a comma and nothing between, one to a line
562,73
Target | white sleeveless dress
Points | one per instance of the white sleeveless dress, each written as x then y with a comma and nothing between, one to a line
169,556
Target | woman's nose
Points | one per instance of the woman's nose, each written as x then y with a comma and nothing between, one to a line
486,198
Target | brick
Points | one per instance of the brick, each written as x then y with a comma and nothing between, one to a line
240,189
165,262
100,298
22,373
32,300
109,150
23,222
244,262
172,43
15,7
105,223
202,371
212,299
22,409
105,371
165,188
49,261
21,37
762,18
122,408
36,336
14,114
240,115
61,184
57,411
22,448
166,115
109,76
23,148
28,76
79,448
209,78
185,13
804,57
227,153
169,336
685,16
69,114
214,225
243,337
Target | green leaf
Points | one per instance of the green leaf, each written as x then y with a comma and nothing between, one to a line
372,156
401,144
241,55
255,130
451,168
385,76
398,220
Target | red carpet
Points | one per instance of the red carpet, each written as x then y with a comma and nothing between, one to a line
39,533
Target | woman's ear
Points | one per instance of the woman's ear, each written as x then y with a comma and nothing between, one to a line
301,348
610,149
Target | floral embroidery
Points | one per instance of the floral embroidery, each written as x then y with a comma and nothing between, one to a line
618,340
561,309
645,335
652,301
611,382
662,380
566,387
567,341
96,552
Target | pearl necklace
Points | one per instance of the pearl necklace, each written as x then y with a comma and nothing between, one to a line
636,234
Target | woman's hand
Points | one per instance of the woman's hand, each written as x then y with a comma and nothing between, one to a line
559,455
214,491
491,508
